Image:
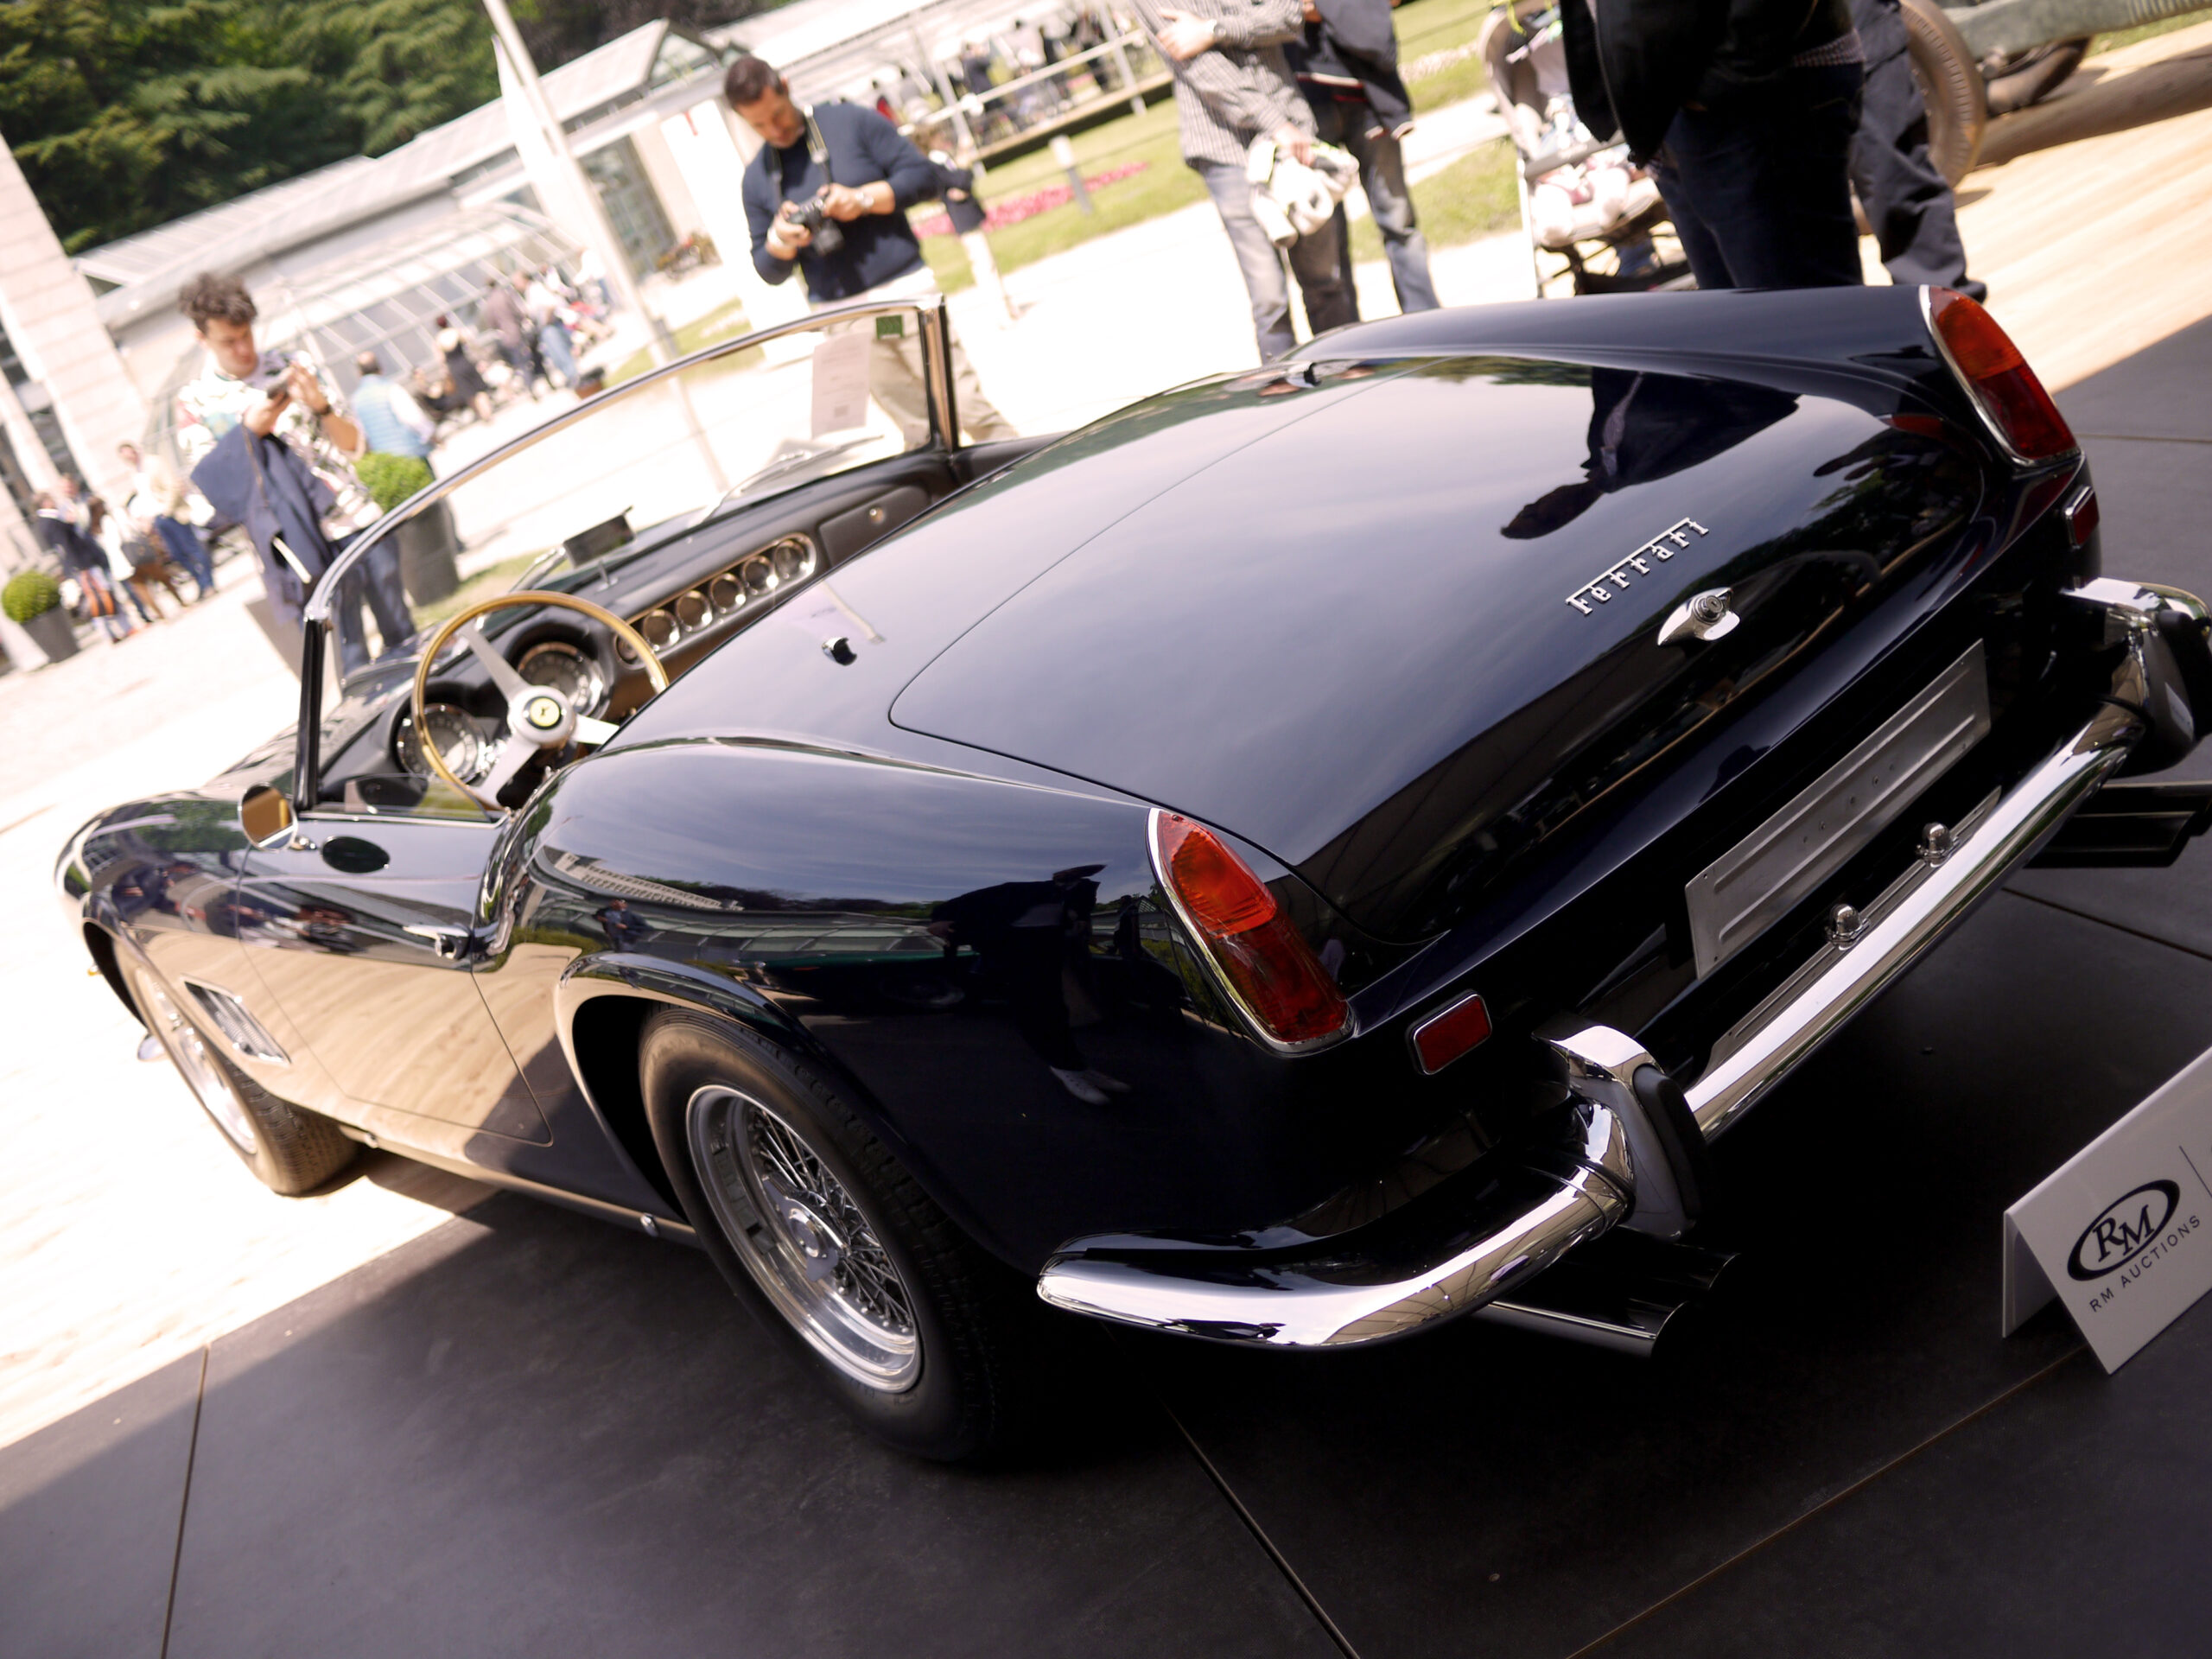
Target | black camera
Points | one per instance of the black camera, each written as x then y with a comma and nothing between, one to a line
829,235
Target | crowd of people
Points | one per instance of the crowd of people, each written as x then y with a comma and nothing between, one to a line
1009,80
117,559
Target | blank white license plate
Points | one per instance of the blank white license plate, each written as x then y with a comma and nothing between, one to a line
1763,876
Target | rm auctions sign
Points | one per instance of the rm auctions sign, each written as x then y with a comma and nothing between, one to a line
2120,1233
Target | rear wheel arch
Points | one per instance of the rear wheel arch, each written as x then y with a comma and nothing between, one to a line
605,1030
101,943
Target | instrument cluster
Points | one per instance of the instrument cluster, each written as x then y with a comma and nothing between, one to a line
714,601
469,743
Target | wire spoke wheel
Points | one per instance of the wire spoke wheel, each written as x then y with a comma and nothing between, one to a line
815,1252
201,1071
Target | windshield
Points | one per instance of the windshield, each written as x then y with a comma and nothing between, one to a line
642,469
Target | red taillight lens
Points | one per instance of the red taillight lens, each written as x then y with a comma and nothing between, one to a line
1268,966
1998,378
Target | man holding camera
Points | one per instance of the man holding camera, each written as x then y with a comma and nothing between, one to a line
827,196
267,396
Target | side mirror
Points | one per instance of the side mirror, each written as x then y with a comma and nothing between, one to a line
265,814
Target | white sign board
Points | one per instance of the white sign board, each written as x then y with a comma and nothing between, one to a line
2122,1232
840,383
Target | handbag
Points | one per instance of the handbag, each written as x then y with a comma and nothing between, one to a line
99,598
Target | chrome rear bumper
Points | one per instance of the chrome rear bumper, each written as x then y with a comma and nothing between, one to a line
1579,1174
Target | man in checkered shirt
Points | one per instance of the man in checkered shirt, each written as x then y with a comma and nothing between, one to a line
1232,85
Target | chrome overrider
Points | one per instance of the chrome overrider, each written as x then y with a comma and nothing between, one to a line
1598,1160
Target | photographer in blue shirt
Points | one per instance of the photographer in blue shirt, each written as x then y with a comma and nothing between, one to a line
827,196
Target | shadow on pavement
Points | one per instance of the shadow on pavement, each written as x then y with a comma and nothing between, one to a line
2089,107
530,1433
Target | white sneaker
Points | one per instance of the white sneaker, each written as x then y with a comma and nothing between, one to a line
1079,1084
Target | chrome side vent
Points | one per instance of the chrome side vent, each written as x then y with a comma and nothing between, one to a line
240,1029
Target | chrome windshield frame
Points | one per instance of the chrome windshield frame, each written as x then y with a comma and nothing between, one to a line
934,327
933,323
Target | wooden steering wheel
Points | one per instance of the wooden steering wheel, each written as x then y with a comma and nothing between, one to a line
538,717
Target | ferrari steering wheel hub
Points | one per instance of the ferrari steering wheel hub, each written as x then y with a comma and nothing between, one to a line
545,715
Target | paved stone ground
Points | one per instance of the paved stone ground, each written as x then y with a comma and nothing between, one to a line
521,1430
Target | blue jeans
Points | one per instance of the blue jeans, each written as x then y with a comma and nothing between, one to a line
183,543
553,341
1382,176
1758,189
1314,259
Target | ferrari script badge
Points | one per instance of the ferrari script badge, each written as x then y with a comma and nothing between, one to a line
1662,547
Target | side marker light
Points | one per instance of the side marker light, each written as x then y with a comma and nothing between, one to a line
1449,1032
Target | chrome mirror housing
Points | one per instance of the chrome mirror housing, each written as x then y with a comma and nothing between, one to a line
265,814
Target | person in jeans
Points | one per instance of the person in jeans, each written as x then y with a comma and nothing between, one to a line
289,400
1347,67
59,517
872,176
510,326
157,499
1747,128
1232,85
1908,203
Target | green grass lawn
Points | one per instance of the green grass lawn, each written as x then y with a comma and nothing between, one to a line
2120,37
724,323
1472,197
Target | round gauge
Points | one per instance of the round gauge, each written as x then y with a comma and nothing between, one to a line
758,574
660,629
466,753
725,594
567,670
692,611
792,560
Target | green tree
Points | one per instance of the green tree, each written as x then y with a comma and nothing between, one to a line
125,114
559,31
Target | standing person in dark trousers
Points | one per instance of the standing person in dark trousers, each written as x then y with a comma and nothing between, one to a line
1909,204
1232,85
157,496
1748,127
1347,67
503,312
62,527
865,176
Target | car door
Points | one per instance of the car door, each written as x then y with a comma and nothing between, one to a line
360,927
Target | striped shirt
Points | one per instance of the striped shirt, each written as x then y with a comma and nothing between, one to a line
1241,88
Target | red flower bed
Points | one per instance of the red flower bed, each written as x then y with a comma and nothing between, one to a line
1015,209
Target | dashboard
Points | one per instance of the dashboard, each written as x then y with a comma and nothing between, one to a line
685,588
466,719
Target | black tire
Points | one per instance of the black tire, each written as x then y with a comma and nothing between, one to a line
968,1387
1950,86
290,1149
2031,77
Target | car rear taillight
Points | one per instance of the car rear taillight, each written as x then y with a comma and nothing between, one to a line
2004,388
1263,961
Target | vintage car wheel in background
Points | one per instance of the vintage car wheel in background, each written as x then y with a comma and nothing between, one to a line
821,1232
290,1150
1950,85
2026,77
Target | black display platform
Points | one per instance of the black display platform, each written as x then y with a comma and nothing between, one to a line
530,1434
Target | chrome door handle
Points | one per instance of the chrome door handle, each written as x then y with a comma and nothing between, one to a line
453,942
